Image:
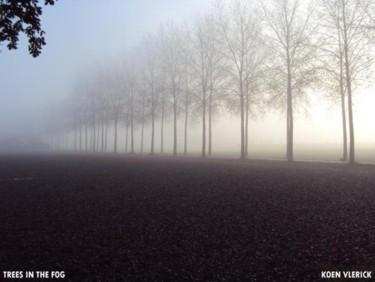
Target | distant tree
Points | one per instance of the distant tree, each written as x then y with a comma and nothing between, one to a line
187,89
162,91
241,36
143,105
116,99
22,17
171,56
105,84
150,79
130,76
208,67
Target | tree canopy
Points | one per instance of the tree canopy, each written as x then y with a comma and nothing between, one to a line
22,17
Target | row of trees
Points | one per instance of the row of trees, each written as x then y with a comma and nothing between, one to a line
245,57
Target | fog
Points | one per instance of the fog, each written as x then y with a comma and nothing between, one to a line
84,35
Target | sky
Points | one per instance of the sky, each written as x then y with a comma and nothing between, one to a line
79,35
83,33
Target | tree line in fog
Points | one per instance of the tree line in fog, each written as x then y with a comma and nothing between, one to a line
244,57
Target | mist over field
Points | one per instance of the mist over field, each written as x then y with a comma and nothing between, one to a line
93,49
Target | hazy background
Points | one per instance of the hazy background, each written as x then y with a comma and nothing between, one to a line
82,34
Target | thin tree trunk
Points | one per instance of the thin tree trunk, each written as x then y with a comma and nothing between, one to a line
94,134
106,134
247,126
204,123
343,112
349,88
210,124
174,129
86,137
132,126
162,127
289,111
152,119
66,141
186,122
102,143
91,139
80,136
75,137
115,137
98,138
126,133
242,156
143,122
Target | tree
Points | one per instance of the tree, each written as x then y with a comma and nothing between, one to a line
186,88
347,25
171,56
22,17
150,77
115,91
161,90
241,35
331,57
131,87
291,70
208,67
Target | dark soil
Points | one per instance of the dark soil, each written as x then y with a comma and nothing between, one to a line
131,218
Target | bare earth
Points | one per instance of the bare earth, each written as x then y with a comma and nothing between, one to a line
133,218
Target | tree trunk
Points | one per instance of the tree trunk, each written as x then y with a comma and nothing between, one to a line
152,119
186,123
75,137
174,129
142,130
162,127
102,143
132,126
349,87
210,124
289,110
94,134
204,123
126,133
80,136
115,137
343,113
91,139
143,122
86,137
106,134
98,138
242,155
247,125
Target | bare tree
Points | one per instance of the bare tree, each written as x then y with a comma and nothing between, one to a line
162,89
150,77
331,58
348,42
129,88
207,65
171,56
114,86
291,71
241,35
187,89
